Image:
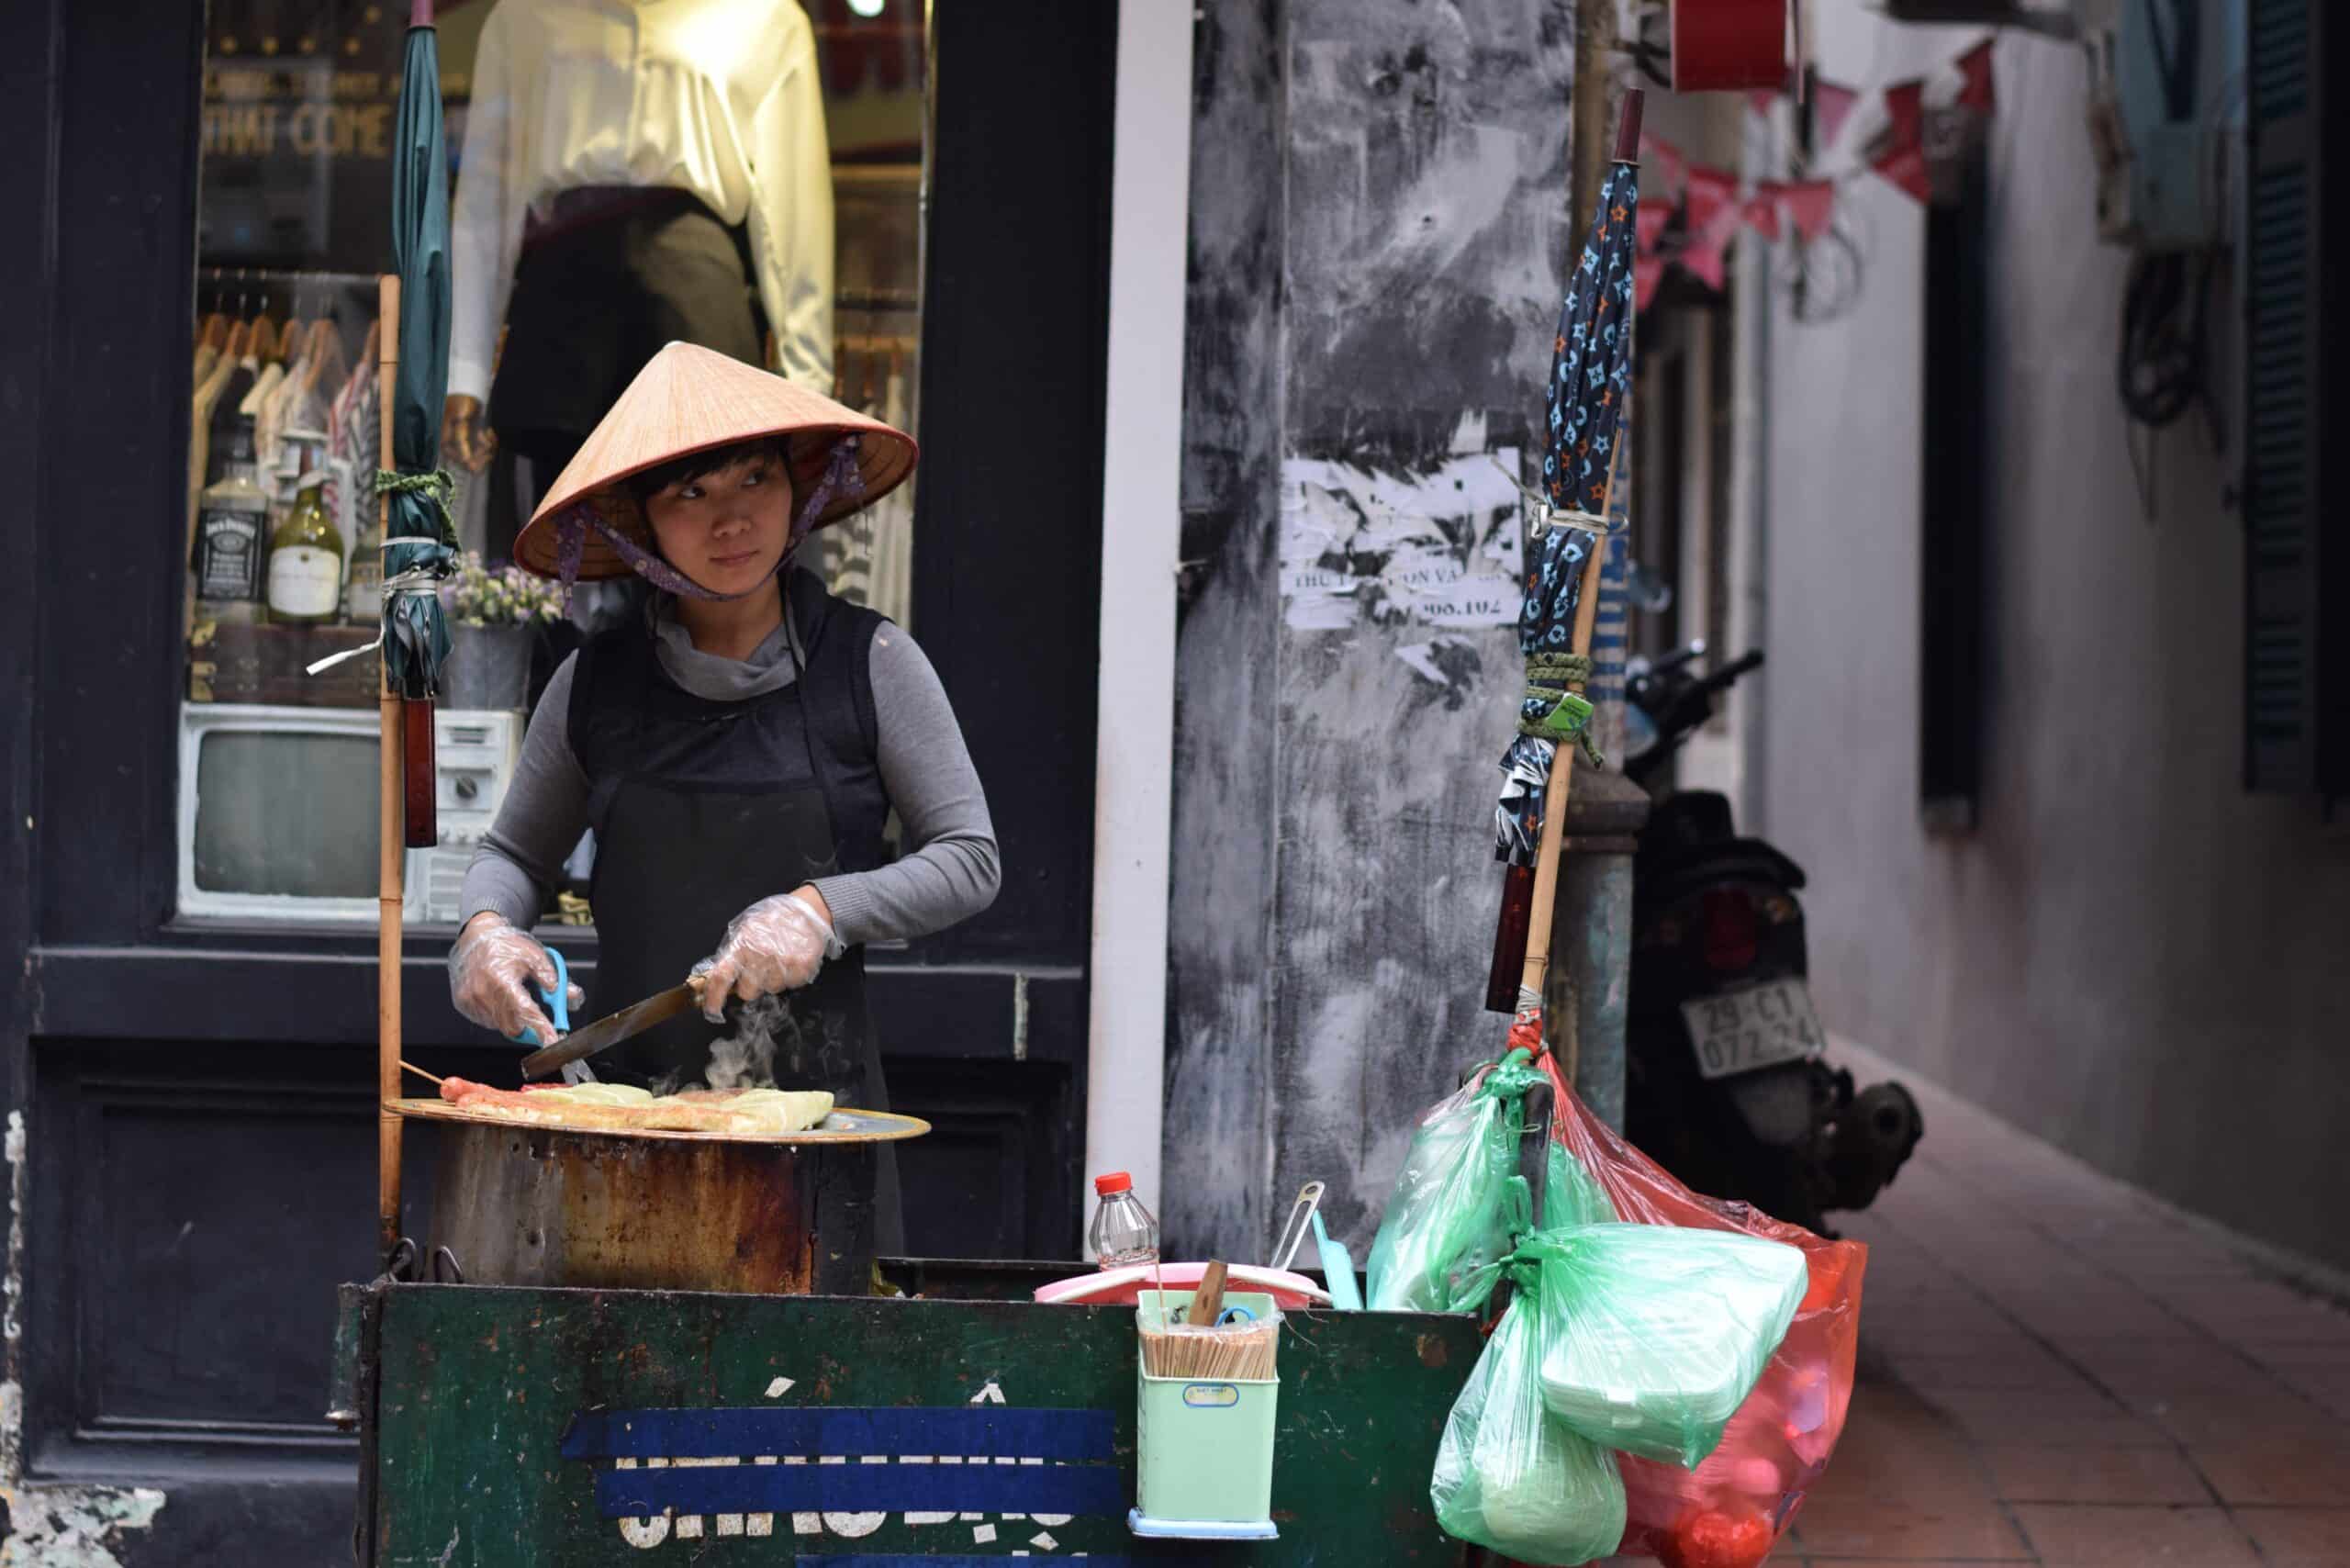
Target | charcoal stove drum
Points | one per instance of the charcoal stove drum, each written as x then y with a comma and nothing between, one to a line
522,1204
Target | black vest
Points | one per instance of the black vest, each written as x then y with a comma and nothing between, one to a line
701,808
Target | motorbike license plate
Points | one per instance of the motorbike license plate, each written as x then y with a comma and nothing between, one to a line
1761,1027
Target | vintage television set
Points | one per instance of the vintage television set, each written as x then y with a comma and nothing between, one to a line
277,811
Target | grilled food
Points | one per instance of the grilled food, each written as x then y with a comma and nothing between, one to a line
618,1107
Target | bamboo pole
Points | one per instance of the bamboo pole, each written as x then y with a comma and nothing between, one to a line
390,851
1554,800
1596,47
1598,28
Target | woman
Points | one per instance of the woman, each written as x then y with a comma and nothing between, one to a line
737,750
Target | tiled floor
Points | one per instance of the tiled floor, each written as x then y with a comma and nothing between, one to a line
2056,1369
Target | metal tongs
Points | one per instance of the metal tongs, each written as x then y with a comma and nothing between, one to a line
1301,1223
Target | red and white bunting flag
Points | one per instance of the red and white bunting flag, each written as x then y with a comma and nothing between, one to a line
1906,167
1710,192
1975,66
1761,99
1654,216
1714,217
1835,107
1812,204
1705,258
1762,213
1905,103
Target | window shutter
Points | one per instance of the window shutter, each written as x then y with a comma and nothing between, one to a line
2286,749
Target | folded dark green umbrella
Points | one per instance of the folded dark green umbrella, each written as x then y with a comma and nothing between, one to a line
419,537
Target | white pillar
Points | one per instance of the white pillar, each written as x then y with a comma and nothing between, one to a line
1141,522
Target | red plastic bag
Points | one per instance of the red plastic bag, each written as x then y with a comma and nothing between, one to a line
1730,1510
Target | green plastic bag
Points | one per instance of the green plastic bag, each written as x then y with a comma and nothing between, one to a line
1511,1476
1448,1223
1652,1336
1572,1195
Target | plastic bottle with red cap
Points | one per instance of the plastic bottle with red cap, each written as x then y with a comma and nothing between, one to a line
1123,1231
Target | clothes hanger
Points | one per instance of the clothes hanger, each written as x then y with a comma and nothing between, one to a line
241,332
294,339
261,344
330,364
212,331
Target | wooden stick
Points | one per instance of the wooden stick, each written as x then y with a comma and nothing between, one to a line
428,1076
1562,768
1207,1302
390,853
1596,128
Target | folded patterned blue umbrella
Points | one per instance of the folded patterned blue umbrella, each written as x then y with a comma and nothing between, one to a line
1590,383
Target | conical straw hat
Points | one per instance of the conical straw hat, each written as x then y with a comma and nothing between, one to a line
688,400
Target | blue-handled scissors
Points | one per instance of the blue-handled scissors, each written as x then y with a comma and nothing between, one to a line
558,1004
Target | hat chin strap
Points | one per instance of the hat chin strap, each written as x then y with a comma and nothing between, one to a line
842,477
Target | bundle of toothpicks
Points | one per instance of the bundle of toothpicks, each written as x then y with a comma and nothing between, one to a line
1233,1352
1201,1346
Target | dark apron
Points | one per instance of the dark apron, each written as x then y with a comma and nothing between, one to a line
701,809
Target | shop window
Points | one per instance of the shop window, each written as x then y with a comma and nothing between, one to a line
745,174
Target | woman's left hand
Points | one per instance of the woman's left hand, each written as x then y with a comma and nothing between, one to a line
778,944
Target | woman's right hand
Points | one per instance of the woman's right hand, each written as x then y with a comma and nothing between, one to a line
495,973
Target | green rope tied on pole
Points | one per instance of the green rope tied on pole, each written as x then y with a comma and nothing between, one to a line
1555,708
440,487
416,636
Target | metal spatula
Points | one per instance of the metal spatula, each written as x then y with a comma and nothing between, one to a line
605,1032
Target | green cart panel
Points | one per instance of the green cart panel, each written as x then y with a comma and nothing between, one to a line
516,1428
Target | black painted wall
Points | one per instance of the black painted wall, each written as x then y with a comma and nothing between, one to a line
190,1128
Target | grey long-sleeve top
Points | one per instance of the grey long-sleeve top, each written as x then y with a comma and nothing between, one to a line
950,874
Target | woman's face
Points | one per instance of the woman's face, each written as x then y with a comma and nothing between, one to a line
726,529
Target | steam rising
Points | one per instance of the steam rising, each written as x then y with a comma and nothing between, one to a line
810,1050
745,1059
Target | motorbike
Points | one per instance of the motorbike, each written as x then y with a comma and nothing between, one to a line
1728,1084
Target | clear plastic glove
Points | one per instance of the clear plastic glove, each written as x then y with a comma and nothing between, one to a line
492,972
776,945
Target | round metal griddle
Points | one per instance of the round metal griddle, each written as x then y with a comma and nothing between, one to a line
843,1125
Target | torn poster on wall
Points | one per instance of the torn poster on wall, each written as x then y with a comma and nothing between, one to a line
1439,547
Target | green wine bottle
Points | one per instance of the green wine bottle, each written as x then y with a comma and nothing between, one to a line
306,556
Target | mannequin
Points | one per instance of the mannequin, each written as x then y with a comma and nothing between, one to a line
634,172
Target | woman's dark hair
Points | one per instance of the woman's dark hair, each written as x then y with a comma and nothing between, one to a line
697,465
